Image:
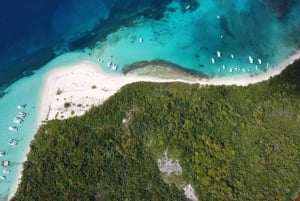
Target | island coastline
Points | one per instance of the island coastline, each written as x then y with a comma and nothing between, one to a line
76,82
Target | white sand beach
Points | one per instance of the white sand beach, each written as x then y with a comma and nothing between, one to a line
84,84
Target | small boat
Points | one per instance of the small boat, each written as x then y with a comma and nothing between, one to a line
218,53
2,177
114,67
232,56
212,60
100,60
109,63
2,153
21,107
230,70
21,114
13,142
250,60
18,120
259,60
6,171
141,40
12,128
224,67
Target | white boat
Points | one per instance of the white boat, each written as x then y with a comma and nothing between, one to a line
114,67
218,53
259,60
100,60
212,60
18,120
250,60
232,56
2,153
224,67
21,107
12,128
13,142
2,177
109,63
6,171
21,114
141,40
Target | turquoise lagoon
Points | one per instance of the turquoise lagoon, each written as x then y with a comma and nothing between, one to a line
236,38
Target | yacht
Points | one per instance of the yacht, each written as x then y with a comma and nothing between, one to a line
2,177
21,107
2,153
12,128
250,60
109,63
259,60
114,67
13,142
21,114
18,120
212,60
141,40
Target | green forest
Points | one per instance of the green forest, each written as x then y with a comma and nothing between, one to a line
233,143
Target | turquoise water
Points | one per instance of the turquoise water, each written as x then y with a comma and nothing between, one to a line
248,36
245,43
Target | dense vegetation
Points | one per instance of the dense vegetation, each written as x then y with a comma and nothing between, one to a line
234,143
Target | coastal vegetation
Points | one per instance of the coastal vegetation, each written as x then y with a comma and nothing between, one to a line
233,143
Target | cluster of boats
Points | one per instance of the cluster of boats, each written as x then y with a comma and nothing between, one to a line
12,142
110,64
19,118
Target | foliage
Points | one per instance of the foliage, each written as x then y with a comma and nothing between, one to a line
234,143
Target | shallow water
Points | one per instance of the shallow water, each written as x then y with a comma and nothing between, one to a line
248,35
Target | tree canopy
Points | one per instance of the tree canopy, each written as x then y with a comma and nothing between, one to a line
233,143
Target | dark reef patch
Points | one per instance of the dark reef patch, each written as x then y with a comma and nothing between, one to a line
162,68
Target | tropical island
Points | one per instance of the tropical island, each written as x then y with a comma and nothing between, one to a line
225,143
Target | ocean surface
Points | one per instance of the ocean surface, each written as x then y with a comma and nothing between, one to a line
210,37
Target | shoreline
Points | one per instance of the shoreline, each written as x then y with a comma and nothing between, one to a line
85,84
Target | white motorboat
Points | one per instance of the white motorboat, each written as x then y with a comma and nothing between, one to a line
2,177
259,60
114,67
250,60
141,40
13,142
21,114
218,53
12,128
18,120
6,171
2,153
212,60
109,64
21,107
232,56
